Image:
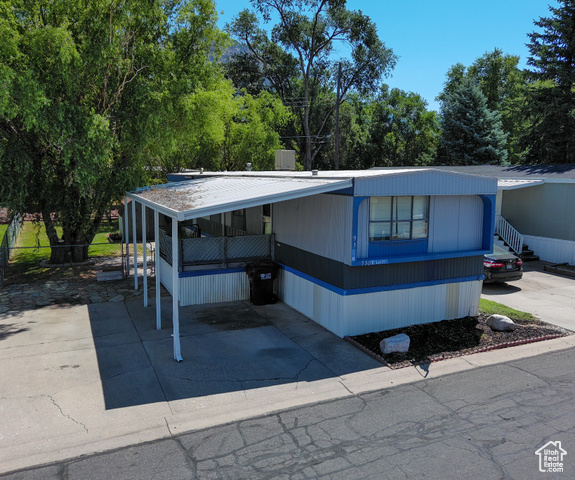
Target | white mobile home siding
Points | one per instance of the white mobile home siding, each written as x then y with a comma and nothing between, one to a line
363,230
425,182
551,249
455,223
320,224
386,310
216,288
320,304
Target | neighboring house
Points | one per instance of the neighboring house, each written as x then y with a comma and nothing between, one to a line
359,251
538,201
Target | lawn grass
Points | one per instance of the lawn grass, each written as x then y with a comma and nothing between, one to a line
33,234
25,263
489,307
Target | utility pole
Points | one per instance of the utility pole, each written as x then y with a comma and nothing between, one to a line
337,117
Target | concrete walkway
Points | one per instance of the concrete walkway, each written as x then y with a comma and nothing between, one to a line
81,290
88,378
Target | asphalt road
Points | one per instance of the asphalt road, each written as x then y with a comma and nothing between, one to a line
485,423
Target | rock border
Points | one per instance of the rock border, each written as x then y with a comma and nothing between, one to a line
561,269
407,363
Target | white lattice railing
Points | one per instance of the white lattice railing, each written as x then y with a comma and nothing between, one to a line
509,235
197,251
217,250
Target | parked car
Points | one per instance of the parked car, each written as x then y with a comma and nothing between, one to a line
502,266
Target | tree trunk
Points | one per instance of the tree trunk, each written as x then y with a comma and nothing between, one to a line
74,245
58,253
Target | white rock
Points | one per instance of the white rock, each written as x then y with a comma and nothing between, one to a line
500,323
397,343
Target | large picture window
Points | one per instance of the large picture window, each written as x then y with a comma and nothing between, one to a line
398,218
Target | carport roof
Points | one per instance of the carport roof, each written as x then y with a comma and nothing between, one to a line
213,195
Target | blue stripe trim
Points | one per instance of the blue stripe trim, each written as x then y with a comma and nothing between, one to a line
202,273
360,291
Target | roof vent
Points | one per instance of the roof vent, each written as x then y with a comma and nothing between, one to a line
314,172
285,160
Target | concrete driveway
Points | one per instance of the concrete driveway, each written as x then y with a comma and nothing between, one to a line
77,379
548,296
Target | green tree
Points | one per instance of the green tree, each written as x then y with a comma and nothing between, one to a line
402,130
243,70
504,86
551,97
297,60
252,133
471,133
90,91
393,128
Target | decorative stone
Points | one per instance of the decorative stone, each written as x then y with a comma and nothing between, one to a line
117,298
397,343
500,323
4,308
43,302
95,298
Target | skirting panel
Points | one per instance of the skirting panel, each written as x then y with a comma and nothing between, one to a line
166,275
216,288
386,310
551,249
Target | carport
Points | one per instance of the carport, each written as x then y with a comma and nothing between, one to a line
184,202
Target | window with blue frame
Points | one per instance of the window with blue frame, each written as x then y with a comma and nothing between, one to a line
398,218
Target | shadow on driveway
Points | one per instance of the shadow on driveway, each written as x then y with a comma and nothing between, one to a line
226,348
498,288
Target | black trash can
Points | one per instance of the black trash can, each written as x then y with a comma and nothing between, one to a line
262,276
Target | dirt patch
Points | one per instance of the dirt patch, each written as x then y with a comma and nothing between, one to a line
437,341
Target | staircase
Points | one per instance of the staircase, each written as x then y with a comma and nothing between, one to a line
507,237
527,255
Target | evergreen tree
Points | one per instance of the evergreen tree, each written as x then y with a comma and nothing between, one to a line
502,82
551,105
472,134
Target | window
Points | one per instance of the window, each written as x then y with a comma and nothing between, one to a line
398,218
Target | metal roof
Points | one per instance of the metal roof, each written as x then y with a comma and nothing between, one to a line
321,174
213,195
199,194
510,184
560,172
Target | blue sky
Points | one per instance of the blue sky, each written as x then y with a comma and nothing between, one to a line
430,36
